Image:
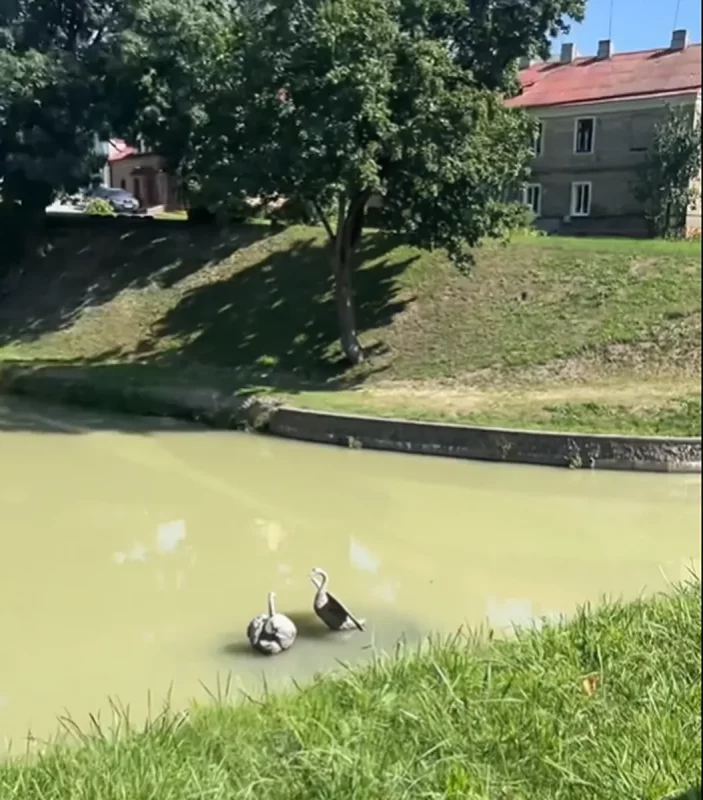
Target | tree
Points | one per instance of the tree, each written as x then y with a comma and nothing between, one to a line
330,102
667,180
164,71
53,54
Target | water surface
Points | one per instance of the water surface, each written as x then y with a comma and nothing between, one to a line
134,552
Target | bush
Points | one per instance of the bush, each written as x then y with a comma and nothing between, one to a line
97,207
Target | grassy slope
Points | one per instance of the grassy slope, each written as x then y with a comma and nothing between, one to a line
579,334
607,707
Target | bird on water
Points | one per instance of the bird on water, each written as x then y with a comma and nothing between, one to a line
328,608
271,633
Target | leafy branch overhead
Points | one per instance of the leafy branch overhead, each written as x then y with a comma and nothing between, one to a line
669,181
335,102
53,56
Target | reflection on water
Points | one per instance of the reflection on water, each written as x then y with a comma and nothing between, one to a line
361,557
133,561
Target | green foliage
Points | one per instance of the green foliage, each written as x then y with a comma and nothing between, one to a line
323,103
667,181
97,207
165,73
333,102
329,103
52,96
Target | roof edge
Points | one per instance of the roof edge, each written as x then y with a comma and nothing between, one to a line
692,90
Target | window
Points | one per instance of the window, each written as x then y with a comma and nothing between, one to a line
641,132
538,141
123,184
532,197
581,199
584,134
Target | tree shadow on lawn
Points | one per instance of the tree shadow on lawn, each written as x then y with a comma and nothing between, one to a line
271,324
279,315
85,265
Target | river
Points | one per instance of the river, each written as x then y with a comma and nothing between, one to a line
133,553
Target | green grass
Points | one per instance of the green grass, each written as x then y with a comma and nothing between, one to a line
539,316
676,417
175,215
605,706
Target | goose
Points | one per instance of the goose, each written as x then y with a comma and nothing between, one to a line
336,616
271,633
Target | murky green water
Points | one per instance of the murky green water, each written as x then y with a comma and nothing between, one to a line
133,553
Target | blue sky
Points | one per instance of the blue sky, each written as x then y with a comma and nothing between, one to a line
637,24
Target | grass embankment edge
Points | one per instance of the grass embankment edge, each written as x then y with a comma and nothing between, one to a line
604,705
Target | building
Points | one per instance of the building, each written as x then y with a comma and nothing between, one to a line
142,173
597,118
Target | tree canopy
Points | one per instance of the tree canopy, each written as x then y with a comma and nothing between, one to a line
335,101
668,179
53,56
326,102
165,73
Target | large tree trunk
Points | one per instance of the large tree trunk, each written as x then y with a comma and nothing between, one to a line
348,230
344,299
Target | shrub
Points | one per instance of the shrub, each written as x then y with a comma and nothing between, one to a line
97,207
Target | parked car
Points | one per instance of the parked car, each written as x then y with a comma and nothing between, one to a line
122,201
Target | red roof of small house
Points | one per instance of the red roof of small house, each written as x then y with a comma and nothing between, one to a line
623,75
119,150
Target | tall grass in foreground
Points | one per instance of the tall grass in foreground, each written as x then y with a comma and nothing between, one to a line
606,706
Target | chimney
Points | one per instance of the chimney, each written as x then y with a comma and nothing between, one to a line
605,49
568,53
679,39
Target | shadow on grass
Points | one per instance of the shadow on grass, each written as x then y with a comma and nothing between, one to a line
694,793
280,314
268,323
86,268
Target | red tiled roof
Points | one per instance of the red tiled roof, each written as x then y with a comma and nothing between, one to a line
587,80
119,150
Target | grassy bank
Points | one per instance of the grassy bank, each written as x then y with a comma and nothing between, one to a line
607,706
578,334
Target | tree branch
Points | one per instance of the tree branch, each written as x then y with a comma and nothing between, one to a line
355,218
323,219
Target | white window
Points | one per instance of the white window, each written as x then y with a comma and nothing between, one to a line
581,199
532,197
538,141
584,134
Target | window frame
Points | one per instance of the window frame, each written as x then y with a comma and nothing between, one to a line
576,136
574,196
525,191
538,141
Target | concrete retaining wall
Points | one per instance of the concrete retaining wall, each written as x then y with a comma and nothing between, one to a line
650,454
